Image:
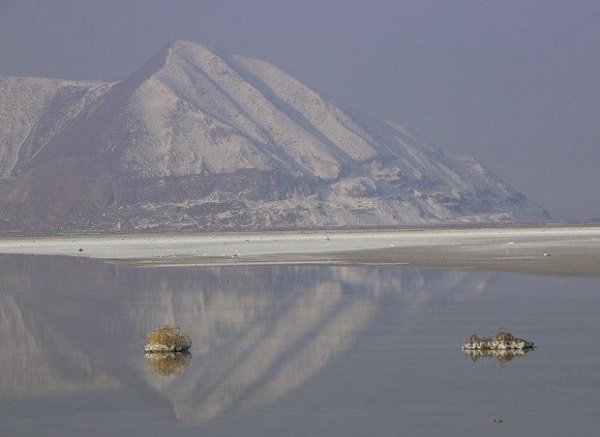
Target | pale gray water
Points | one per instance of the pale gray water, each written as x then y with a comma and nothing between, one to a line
292,351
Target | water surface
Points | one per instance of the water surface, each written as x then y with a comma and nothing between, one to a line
284,350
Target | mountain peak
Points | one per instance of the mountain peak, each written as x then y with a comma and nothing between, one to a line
196,54
165,58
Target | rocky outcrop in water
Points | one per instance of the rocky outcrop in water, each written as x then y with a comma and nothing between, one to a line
500,342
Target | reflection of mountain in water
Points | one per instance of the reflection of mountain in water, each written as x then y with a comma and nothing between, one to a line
257,332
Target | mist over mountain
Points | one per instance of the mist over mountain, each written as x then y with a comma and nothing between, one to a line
200,140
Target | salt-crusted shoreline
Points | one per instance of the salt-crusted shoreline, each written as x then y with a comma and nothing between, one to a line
550,250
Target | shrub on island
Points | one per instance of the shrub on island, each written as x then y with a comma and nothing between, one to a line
167,338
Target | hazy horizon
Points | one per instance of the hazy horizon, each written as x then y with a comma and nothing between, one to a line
512,84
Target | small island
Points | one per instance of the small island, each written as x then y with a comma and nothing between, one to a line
167,339
500,342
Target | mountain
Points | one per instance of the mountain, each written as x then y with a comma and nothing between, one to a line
200,140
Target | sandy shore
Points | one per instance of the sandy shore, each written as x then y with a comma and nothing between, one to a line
540,250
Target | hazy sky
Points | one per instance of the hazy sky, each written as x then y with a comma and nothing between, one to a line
515,83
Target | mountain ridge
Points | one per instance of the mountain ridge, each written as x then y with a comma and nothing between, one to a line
199,140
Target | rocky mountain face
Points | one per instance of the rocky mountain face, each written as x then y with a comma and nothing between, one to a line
199,140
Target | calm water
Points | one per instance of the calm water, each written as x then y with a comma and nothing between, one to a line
292,351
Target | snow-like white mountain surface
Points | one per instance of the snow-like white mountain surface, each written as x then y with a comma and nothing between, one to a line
33,111
198,140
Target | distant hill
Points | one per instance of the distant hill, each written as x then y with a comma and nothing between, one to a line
200,140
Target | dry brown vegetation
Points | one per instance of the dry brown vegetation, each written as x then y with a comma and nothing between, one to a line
167,338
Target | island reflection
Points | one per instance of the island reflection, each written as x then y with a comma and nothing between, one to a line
168,363
501,356
258,332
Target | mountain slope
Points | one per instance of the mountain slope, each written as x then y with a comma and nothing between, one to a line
196,140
